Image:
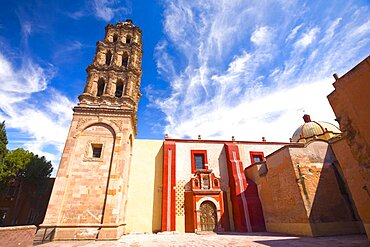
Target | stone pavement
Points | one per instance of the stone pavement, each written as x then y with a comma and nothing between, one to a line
229,239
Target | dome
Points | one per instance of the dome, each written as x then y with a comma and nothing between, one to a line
310,129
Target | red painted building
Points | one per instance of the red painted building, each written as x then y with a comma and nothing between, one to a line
205,187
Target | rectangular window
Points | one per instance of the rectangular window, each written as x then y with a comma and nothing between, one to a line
256,157
198,160
96,150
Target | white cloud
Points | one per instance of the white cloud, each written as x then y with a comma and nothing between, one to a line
274,115
42,114
307,38
293,33
329,33
261,35
109,9
361,30
227,83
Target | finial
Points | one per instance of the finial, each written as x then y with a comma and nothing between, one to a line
199,137
233,138
263,139
306,118
166,136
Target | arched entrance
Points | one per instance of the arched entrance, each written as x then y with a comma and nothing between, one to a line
208,216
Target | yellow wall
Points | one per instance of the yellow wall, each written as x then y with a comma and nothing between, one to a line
145,191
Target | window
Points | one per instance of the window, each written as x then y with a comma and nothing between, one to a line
124,60
108,58
256,157
128,39
101,86
115,38
3,213
96,150
198,160
119,89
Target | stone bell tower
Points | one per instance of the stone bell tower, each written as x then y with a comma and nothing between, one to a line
90,192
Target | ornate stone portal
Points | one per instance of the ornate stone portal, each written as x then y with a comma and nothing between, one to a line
90,192
204,202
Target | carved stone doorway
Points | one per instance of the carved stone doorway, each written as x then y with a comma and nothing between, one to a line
208,216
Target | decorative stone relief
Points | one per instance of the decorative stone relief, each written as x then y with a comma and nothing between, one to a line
118,123
82,122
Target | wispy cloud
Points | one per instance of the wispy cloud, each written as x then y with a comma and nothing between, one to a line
109,9
77,14
42,114
105,10
68,51
293,33
250,69
307,38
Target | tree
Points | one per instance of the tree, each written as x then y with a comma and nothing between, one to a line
3,142
14,164
38,169
20,163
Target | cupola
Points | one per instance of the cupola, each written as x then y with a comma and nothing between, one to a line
315,130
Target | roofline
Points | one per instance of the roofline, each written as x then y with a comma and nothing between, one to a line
298,145
228,141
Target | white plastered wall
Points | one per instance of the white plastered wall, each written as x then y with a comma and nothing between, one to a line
245,149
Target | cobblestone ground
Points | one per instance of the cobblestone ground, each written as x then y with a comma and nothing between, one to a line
190,239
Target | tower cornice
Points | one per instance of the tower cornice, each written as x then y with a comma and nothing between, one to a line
113,68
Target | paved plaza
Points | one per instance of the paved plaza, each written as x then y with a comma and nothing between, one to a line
191,239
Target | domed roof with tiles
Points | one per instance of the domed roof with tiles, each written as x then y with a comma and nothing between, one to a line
311,129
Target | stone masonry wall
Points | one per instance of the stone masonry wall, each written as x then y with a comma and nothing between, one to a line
17,236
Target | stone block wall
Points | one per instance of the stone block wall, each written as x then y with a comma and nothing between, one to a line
17,236
358,181
301,194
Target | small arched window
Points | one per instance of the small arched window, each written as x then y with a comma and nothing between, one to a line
115,38
124,60
128,39
119,89
101,86
215,182
108,58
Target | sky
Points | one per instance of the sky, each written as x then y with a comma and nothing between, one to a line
218,68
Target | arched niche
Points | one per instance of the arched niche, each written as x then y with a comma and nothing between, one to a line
101,87
108,57
119,89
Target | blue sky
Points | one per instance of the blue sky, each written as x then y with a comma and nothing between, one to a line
217,68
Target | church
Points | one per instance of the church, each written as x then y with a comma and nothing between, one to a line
110,184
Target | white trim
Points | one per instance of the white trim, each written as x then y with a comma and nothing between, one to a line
207,198
244,199
169,190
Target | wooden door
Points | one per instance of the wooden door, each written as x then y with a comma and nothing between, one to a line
208,216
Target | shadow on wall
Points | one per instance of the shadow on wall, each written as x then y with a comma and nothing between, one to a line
332,209
157,192
254,207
